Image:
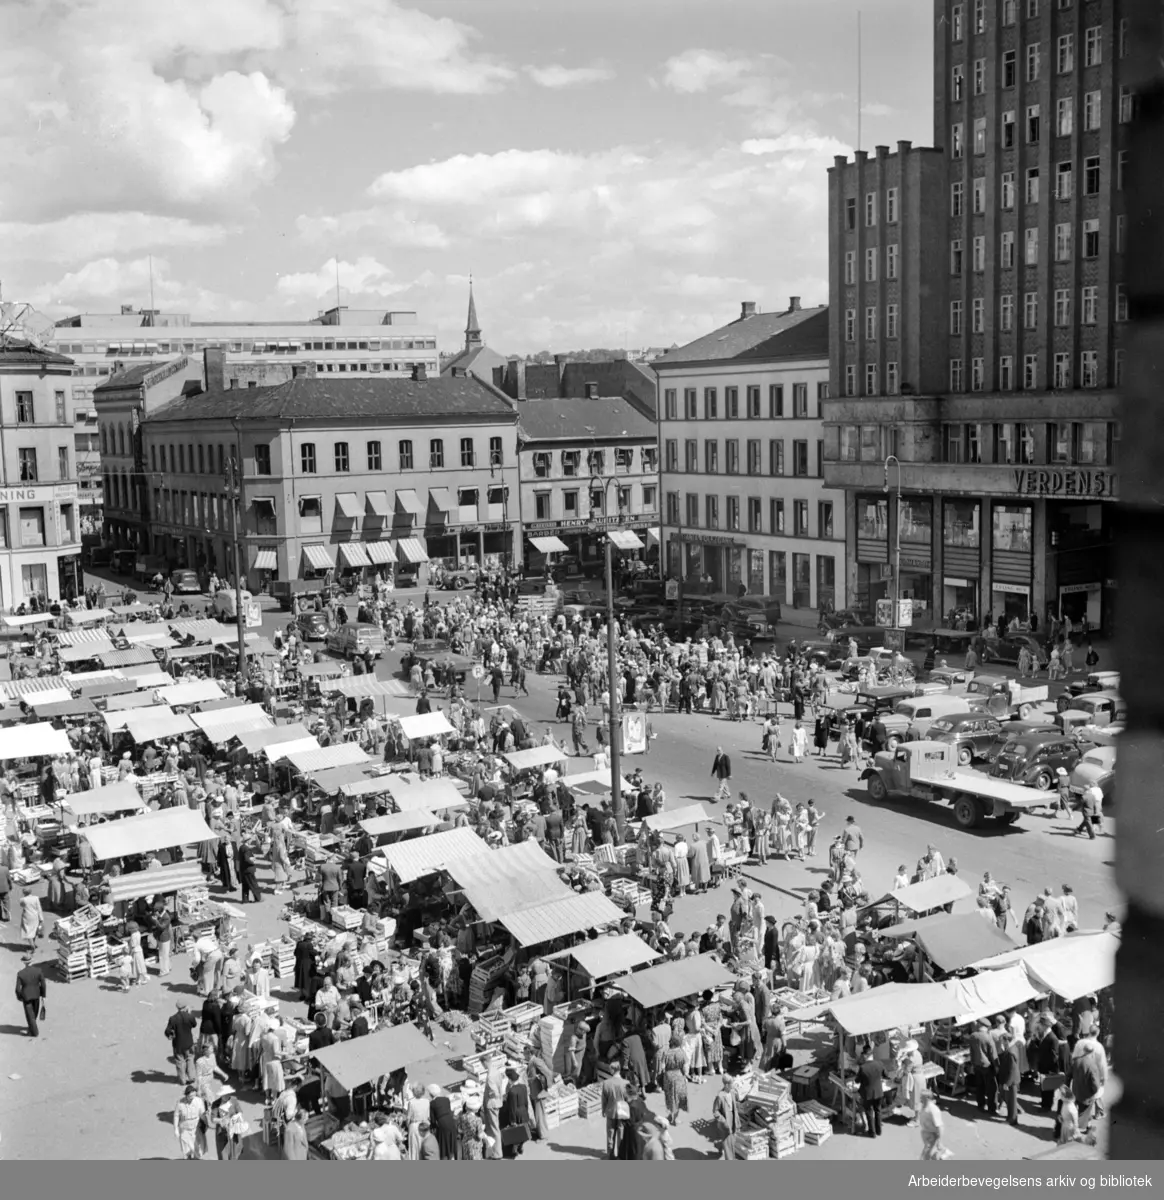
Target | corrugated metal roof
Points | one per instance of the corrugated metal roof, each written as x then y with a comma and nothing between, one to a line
36,683
573,914
136,656
427,855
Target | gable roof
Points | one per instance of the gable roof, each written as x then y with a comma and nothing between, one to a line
139,375
315,398
21,352
605,417
480,359
798,333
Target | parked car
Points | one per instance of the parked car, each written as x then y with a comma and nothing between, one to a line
843,618
225,602
1002,697
881,660
1034,758
185,582
121,562
1094,709
826,654
922,711
147,567
1097,766
457,579
972,734
312,626
1006,649
355,639
866,637
285,590
97,557
1096,681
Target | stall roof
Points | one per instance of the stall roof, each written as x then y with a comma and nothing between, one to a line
559,918
549,545
890,1006
1072,966
300,745
107,689
953,940
221,724
81,637
370,785
33,741
324,669
330,781
12,715
149,831
195,691
135,656
86,616
225,702
118,718
28,619
607,956
400,822
201,629
436,1070
19,688
587,778
434,794
509,880
306,762
367,685
114,797
261,647
159,882
425,856
254,740
538,756
362,1060
689,814
928,895
47,710
75,654
156,634
425,725
185,652
673,980
145,726
131,610
129,700
991,992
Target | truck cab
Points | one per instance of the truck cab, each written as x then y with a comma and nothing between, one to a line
1003,697
1093,709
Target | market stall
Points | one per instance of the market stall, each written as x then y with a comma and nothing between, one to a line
425,725
41,740
417,857
44,687
252,741
538,924
916,899
150,831
64,710
672,981
194,691
436,795
508,880
676,818
1079,964
308,762
122,797
589,963
221,724
952,941
146,725
122,709
108,686
399,822
278,751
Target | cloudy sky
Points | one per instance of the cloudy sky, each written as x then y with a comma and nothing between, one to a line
611,172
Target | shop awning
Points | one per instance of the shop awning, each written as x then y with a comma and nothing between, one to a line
425,725
991,992
929,894
537,756
160,882
607,956
573,914
221,724
399,822
417,857
152,726
1071,966
353,555
675,818
147,633
441,499
308,762
348,505
123,703
362,1060
17,689
624,539
195,691
330,781
118,719
407,502
409,550
254,740
81,637
548,545
75,654
281,750
47,710
434,794
367,685
149,831
318,558
953,940
674,980
380,553
376,503
114,797
33,741
653,535
265,560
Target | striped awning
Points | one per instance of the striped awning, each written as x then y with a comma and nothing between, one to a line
379,552
265,560
79,637
407,502
354,554
36,683
319,558
411,551
376,503
75,654
348,505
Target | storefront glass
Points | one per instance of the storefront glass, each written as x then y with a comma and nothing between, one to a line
778,574
756,572
802,580
960,524
873,518
917,520
1013,605
873,584
1011,527
693,571
735,557
826,581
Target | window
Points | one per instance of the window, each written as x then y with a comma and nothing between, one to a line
956,23
32,528
1062,307
1063,181
956,317
1091,111
436,453
691,455
870,324
732,456
692,503
776,456
1032,62
1006,312
62,462
711,457
891,206
670,455
342,461
977,315
850,324
1091,176
711,508
1118,376
979,135
689,402
1009,68
1065,54
870,209
670,404
956,140
870,379
850,266
710,404
1032,191
1008,11
59,401
800,518
1093,45
571,460
978,253
262,460
1030,371
851,212
1127,105
1119,233
755,514
1121,169
1089,305
973,443
1065,116
979,195
1031,247
979,76
1007,254
956,376
800,399
957,199
956,257
1008,133
1005,373
733,512
596,462
871,265
310,514
1030,310
1089,369
24,409
891,261
1033,124
850,380
570,502
731,403
775,400
955,451
799,458
1121,302
672,507
307,458
597,502
1061,377
891,320
1059,441
1123,37
822,393
891,380
542,506
754,456
1091,238
404,449
776,514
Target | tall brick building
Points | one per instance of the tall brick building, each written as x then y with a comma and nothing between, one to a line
977,317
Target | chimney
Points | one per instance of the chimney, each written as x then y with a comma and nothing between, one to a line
560,361
419,374
747,309
904,147
794,304
591,391
515,379
214,368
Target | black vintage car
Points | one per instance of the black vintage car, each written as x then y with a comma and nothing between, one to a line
971,733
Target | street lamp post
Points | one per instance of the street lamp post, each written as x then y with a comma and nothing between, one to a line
232,480
892,458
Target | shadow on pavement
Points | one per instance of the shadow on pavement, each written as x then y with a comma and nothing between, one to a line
13,1030
153,1077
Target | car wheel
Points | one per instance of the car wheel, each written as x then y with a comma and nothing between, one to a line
967,812
460,584
965,756
877,789
1042,781
1024,711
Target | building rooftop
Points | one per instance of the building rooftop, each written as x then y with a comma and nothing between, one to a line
480,358
138,375
794,333
581,420
19,352
319,398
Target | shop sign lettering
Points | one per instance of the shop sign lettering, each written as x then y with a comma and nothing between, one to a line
1069,481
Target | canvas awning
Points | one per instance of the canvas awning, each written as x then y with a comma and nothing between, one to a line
54,685
425,725
673,980
135,656
427,855
152,677
81,637
47,710
254,740
953,941
87,616
354,555
440,499
407,502
28,619
370,785
266,560
991,992
331,780
161,881
151,726
509,879
689,814
367,685
399,822
653,534
105,685
195,691
434,794
890,1006
376,503
624,539
148,633
318,558
380,553
362,1060
594,783
75,654
325,669
409,550
200,629
149,831
280,750
221,724
348,505
1071,966
114,797
537,756
13,715
125,702
33,741
307,762
119,718
927,895
549,545
573,914
606,956
130,610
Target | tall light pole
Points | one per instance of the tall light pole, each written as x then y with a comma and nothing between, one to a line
232,481
892,458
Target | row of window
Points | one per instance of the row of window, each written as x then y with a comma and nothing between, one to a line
1033,60
31,528
26,409
544,510
1063,249
28,465
1033,125
1008,16
753,409
571,461
1064,188
244,346
341,456
708,507
754,457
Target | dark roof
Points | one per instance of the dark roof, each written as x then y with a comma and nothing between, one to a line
575,420
312,398
466,360
21,352
799,333
135,376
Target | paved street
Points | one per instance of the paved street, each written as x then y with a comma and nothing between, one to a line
98,1084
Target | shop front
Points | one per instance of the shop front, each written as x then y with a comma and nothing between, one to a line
961,562
916,530
585,542
1079,561
1011,561
874,579
826,582
717,562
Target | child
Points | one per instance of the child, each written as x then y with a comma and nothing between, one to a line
125,969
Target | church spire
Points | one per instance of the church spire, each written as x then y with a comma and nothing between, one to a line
472,328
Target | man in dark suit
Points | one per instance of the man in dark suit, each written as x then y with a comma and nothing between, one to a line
983,1059
771,943
248,878
870,1080
30,991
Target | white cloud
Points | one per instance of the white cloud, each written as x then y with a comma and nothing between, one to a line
877,110
557,76
702,70
86,233
364,277
384,226
790,143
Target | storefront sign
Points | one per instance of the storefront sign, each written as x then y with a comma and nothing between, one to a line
639,521
1017,589
915,563
62,493
671,589
1067,481
1074,588
951,582
709,539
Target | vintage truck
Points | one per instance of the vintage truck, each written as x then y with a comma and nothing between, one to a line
1003,697
929,771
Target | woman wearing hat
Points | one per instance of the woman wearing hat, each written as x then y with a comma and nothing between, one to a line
514,1119
470,1127
188,1125
913,1081
230,1126
386,1142
444,1124
418,1110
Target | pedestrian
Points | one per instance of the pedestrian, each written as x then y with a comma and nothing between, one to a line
930,1123
799,742
1063,793
180,1032
1008,1075
31,921
189,1127
295,1138
983,1060
870,1087
31,990
247,871
615,1109
815,816
1091,804
5,890
853,840
721,769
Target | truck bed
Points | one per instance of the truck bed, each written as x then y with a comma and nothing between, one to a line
1017,795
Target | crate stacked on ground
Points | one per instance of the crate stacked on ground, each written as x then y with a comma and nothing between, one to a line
742,1083
590,1101
523,1017
82,951
283,959
478,1065
560,1103
518,1046
346,918
770,1092
490,1030
481,983
784,1138
550,1041
629,892
813,1129
755,1141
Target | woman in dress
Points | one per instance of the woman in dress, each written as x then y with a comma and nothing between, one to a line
31,920
56,886
386,1142
230,1126
711,1031
913,1082
515,1113
800,832
206,1070
745,1024
188,1125
674,1065
579,835
280,859
664,880
227,863
682,868
444,1124
258,978
418,1110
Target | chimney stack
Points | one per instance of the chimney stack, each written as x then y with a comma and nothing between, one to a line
515,379
214,368
794,304
419,374
560,361
747,309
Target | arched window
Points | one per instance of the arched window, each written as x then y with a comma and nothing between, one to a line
104,440
121,440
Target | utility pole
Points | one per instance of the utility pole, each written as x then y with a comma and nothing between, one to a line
618,802
232,479
892,458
